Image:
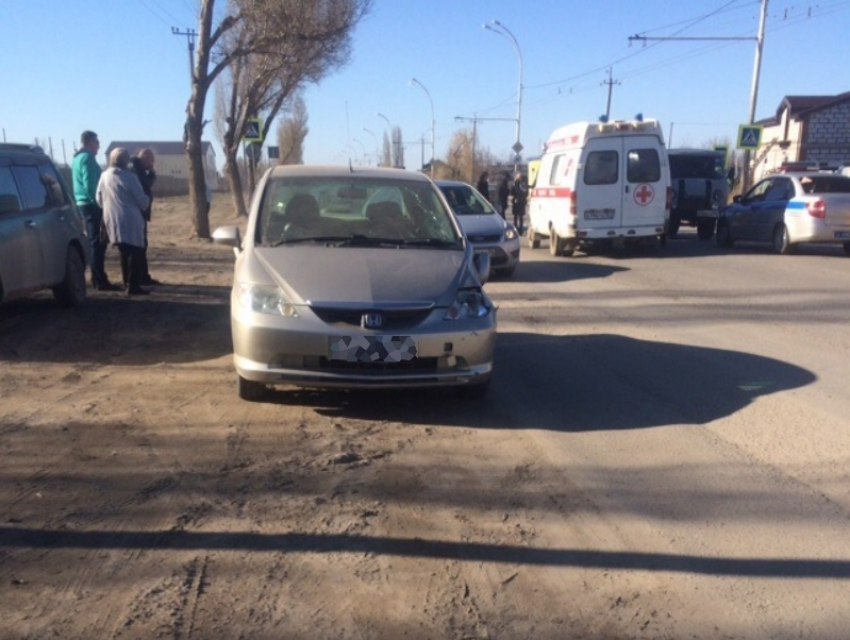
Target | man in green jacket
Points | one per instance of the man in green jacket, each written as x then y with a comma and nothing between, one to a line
85,172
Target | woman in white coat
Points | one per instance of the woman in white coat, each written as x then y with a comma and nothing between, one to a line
120,194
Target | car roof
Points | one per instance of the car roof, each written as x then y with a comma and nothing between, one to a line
341,171
806,174
451,183
693,152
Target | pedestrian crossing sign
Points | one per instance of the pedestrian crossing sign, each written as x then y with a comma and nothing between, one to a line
749,136
253,131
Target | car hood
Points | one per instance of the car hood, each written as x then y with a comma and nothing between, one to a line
362,277
482,225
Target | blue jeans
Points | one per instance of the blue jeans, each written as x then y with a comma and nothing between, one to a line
93,216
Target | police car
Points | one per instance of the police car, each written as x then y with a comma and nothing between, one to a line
788,209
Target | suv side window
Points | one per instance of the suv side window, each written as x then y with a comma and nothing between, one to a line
643,165
33,191
53,185
9,200
602,167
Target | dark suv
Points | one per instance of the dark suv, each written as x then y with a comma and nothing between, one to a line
42,236
700,189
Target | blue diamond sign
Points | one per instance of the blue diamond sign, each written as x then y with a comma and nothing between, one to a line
253,131
749,136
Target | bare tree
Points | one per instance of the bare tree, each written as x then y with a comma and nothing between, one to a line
398,148
268,48
386,152
292,132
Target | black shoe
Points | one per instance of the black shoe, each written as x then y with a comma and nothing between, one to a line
150,282
106,286
137,291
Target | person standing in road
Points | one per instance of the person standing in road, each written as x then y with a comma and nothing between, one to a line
120,194
503,193
483,185
142,164
519,193
85,174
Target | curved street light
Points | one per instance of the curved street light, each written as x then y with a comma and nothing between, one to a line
428,93
377,154
503,31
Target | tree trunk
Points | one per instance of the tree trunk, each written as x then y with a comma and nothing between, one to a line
231,168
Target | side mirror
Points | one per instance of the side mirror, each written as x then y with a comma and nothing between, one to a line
737,198
228,235
481,260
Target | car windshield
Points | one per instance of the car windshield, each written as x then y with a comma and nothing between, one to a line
466,201
704,165
354,211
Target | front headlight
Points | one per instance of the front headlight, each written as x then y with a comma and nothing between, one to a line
265,299
510,233
468,303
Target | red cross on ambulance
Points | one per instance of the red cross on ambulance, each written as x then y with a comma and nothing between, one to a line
644,194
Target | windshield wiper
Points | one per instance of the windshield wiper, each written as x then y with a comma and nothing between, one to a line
430,242
313,239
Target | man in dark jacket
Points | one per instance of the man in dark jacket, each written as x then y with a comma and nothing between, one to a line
142,164
519,192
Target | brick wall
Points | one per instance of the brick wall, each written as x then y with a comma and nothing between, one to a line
828,135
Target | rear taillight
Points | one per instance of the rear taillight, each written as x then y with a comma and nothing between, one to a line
573,208
817,209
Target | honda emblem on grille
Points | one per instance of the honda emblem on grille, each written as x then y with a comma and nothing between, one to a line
372,320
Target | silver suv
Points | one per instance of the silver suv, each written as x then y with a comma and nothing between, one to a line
42,236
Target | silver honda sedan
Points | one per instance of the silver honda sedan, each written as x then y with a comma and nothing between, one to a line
357,278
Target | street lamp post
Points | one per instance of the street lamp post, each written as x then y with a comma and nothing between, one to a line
377,154
428,93
503,31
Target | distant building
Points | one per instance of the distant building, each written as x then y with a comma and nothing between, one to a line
171,158
805,129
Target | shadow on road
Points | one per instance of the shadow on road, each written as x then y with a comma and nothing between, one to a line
582,383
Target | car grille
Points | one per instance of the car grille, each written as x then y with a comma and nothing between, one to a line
393,320
415,365
480,239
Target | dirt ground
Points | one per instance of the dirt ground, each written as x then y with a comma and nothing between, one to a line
139,498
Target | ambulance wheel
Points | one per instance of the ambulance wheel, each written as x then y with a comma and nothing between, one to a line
533,240
554,243
673,225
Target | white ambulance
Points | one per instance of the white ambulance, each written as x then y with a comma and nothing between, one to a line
601,182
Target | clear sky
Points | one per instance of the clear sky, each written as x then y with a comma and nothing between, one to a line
115,66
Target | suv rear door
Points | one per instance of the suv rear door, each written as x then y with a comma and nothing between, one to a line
19,241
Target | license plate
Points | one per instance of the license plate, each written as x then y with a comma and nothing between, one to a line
598,214
707,213
372,348
842,235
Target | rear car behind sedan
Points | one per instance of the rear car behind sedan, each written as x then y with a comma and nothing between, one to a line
484,227
356,279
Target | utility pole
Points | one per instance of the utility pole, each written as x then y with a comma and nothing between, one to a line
190,39
610,82
756,71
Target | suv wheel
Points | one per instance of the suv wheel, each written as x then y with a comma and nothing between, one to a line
71,292
705,229
250,390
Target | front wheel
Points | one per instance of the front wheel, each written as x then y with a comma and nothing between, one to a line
781,242
71,292
724,238
533,240
250,390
